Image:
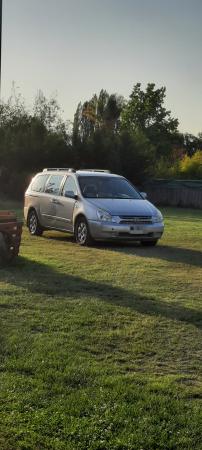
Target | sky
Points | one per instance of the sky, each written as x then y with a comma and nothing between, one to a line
74,48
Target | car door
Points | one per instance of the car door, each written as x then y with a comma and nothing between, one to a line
65,205
50,200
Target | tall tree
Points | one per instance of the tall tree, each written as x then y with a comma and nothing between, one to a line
29,142
145,112
112,112
48,112
102,111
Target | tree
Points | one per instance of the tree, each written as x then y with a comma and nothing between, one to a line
137,156
29,142
112,112
49,113
100,112
192,143
145,112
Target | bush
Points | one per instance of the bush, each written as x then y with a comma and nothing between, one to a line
191,166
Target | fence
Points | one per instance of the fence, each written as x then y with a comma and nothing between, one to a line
185,193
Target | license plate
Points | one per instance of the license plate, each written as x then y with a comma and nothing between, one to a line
136,230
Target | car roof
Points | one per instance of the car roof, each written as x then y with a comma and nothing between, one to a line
95,173
80,172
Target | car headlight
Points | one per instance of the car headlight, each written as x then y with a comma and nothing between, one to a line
157,217
104,216
116,219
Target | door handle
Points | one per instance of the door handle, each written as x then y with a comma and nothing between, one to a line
56,202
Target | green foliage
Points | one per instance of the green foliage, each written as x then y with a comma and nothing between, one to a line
100,142
47,111
100,112
137,156
127,153
101,150
28,142
183,166
192,143
138,138
169,167
145,112
191,167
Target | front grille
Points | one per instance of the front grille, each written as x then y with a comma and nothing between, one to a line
135,219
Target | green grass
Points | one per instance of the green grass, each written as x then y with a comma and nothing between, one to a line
100,347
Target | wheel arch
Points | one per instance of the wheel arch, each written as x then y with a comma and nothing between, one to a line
79,216
31,208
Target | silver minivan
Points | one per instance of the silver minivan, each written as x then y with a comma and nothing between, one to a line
91,204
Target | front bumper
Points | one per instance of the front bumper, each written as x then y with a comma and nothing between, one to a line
108,230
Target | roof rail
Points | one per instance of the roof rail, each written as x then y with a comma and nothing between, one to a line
55,169
95,170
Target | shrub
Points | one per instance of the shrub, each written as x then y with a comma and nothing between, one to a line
191,167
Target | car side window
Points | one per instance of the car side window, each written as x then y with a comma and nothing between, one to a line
69,189
39,183
53,185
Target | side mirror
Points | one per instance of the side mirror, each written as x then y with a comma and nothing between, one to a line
71,194
144,195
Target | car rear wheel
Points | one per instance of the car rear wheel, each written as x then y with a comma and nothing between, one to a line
149,243
33,224
82,233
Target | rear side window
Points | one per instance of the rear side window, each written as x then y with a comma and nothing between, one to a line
39,183
69,187
53,185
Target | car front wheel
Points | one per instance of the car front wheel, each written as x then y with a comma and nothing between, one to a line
82,233
33,224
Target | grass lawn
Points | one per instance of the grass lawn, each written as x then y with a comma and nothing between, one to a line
100,347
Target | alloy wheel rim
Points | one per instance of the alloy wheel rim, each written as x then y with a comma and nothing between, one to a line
82,232
33,223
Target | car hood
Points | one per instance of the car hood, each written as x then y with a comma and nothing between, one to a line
121,207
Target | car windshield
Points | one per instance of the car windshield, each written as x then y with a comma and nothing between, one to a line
107,187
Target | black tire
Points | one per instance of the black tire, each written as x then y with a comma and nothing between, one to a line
149,243
33,224
82,233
